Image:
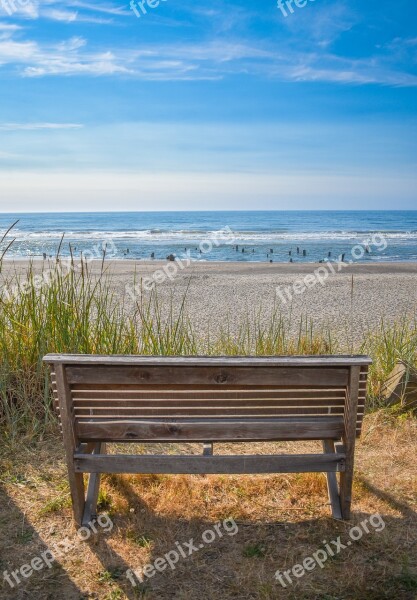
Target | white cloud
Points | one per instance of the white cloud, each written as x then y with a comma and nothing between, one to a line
64,58
322,24
60,15
9,27
12,52
37,126
109,9
334,69
72,16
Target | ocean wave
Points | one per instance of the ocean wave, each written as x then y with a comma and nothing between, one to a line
155,235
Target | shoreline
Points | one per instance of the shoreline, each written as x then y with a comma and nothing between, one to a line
286,268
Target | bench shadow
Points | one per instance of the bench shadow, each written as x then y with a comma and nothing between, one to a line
43,584
386,497
214,567
203,575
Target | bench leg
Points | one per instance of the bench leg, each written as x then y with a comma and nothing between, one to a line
90,509
76,482
349,439
346,482
332,486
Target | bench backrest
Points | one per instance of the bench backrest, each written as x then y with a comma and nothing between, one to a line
134,398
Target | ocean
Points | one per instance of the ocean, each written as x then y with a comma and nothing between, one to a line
258,236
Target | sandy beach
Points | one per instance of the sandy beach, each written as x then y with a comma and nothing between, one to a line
224,294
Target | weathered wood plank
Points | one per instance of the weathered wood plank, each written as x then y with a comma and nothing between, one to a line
332,485
349,439
90,510
70,444
401,386
253,361
204,403
208,412
217,464
208,449
208,392
214,429
215,376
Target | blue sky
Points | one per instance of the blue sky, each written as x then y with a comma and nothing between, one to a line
208,105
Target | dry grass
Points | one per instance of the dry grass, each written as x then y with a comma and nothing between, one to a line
281,519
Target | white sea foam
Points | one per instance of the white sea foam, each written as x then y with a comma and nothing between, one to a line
152,235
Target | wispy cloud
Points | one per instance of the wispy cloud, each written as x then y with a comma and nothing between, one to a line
9,27
322,25
72,16
331,68
307,55
65,11
65,58
60,15
38,126
109,9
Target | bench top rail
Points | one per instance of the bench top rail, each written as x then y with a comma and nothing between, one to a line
201,361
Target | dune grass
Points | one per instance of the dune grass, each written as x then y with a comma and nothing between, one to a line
67,308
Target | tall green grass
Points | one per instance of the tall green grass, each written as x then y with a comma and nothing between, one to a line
74,310
388,344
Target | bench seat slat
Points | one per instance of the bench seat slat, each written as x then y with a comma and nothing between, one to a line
251,429
155,391
218,402
216,376
217,464
214,413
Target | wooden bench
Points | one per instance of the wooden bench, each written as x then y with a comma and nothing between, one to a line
103,399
